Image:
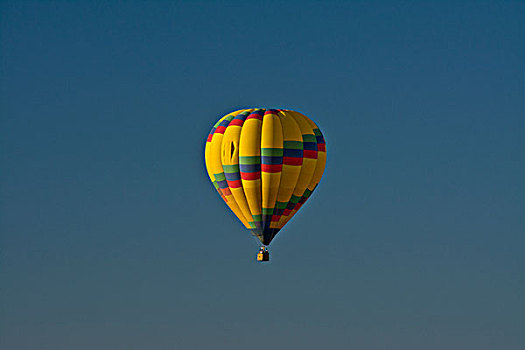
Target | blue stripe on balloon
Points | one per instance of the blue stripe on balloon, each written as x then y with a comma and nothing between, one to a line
293,153
250,168
222,184
310,146
271,160
232,176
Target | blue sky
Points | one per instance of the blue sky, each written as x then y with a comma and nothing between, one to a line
112,237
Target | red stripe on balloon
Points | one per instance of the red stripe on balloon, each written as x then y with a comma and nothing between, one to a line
251,176
310,154
254,116
235,183
292,161
236,122
271,168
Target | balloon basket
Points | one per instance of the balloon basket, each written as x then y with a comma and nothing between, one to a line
263,254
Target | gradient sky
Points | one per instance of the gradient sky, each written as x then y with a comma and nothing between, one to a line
112,236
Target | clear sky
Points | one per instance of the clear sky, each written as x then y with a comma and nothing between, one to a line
112,236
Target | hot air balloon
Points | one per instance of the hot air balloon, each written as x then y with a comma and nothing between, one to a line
265,164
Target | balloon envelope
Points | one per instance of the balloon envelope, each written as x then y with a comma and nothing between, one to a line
265,164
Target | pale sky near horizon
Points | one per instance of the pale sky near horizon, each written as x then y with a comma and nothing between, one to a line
112,236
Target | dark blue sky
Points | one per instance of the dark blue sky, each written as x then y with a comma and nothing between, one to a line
112,236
